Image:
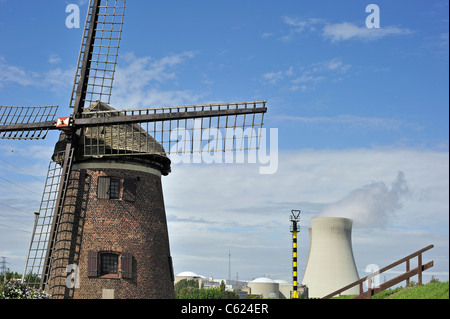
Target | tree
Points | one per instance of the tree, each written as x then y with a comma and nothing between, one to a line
434,279
222,286
188,289
185,287
230,294
9,275
227,294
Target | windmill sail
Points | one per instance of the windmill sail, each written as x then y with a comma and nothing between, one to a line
180,129
93,81
26,122
65,174
41,233
98,53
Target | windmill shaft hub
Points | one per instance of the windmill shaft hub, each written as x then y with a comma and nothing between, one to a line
65,124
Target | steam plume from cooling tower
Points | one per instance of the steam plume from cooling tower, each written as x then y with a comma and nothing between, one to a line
370,205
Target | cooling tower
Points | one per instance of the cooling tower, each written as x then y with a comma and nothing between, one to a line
331,264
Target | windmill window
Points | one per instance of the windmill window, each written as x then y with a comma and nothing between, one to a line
109,264
115,188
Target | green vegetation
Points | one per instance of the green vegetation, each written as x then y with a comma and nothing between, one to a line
189,289
9,275
433,290
250,296
18,290
388,292
11,287
344,297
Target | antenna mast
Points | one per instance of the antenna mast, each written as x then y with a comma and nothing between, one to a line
295,219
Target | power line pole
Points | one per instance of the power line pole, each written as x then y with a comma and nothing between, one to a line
3,268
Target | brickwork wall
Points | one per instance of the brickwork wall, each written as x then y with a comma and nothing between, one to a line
138,228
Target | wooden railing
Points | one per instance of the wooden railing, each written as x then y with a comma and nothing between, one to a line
405,276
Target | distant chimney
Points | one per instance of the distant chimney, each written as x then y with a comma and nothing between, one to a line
331,264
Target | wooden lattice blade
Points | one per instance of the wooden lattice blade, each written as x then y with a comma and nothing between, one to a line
37,252
65,172
98,53
181,129
26,122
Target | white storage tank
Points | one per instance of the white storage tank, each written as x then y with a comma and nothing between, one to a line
265,287
285,289
331,264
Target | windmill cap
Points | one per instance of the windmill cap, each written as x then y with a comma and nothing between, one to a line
121,140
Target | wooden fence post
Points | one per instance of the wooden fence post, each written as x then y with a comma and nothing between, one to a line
407,269
420,269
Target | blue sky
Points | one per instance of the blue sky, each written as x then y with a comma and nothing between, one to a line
353,107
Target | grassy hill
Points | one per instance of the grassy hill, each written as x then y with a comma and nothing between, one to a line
432,290
435,290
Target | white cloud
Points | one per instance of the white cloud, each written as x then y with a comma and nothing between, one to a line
54,59
338,31
58,79
54,79
349,121
79,2
334,64
306,82
299,26
16,75
347,31
138,82
267,34
306,78
274,77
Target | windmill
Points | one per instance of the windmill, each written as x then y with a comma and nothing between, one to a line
101,231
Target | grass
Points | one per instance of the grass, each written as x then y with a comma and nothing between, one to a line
385,294
437,290
434,290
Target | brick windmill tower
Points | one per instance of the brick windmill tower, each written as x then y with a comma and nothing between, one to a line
101,231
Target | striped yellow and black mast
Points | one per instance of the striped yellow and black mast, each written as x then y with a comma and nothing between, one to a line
295,219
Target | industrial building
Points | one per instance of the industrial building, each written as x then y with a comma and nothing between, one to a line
263,286
330,266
